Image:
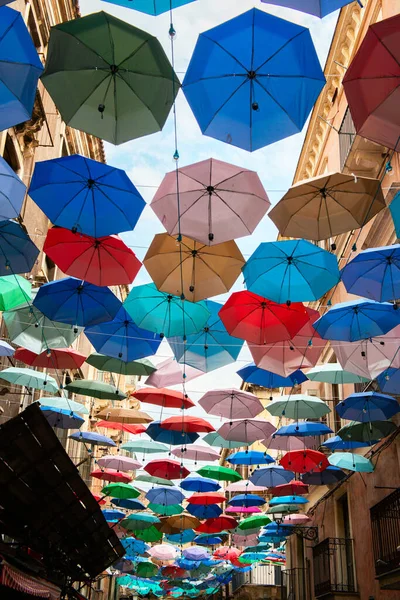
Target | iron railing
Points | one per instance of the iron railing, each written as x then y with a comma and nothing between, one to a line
385,523
333,561
347,134
294,584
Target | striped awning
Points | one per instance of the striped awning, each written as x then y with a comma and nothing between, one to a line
17,580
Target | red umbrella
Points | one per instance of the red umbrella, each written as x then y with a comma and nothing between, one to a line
63,358
261,321
187,424
173,572
99,500
207,498
163,397
372,84
217,525
127,427
293,488
227,553
236,563
101,261
304,461
166,469
111,475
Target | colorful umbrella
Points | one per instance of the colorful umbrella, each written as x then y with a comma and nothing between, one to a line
394,208
62,358
118,462
111,475
253,374
179,523
291,271
163,552
151,7
214,439
92,197
368,406
134,547
113,515
244,486
334,374
217,525
296,519
14,290
366,432
298,406
247,500
290,442
17,54
163,397
218,201
63,419
101,362
151,534
303,429
206,498
250,558
187,424
121,338
146,569
219,473
192,269
196,553
389,381
169,469
250,457
271,476
94,389
292,488
183,537
12,189
169,372
247,431
351,462
208,540
165,496
199,484
205,511
287,500
145,446
124,415
6,349
252,98
101,261
319,8
127,428
231,402
139,521
260,321
166,436
92,438
254,522
18,253
137,72
153,480
328,476
303,461
336,443
282,509
29,378
243,510
63,403
196,452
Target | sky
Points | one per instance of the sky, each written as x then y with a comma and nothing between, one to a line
146,160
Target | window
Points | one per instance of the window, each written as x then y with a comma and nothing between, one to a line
10,154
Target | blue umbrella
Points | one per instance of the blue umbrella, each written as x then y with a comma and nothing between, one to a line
92,197
201,511
210,349
291,271
271,476
63,419
18,253
166,436
76,302
368,406
247,500
328,476
133,546
165,496
121,338
12,191
92,438
20,69
287,500
303,429
318,8
205,539
336,443
351,462
150,7
113,515
196,483
128,503
389,381
250,93
253,374
251,457
184,537
374,274
188,565
357,320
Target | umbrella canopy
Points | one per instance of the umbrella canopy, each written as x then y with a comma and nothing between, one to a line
208,540
153,480
366,432
334,374
357,320
290,442
291,271
173,438
169,469
195,553
254,522
151,7
29,378
136,71
94,389
327,477
253,374
282,508
124,415
12,189
191,268
303,461
113,515
139,521
144,446
271,476
92,438
218,201
163,397
101,362
6,349
14,290
179,523
163,552
247,431
187,424
219,473
244,486
111,475
121,338
368,406
63,419
146,569
18,253
298,406
64,403
247,500
251,457
169,372
336,443
246,93
217,525
323,207
163,313
296,519
100,261
215,439
133,546
210,349
231,402
165,496
292,488
261,321
303,429
76,302
183,537
243,510
207,498
205,511
199,484
389,381
62,358
351,462
118,462
127,428
151,534
92,197
318,8
18,53
196,452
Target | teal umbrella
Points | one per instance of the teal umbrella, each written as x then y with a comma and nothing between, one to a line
214,439
333,373
166,511
145,446
282,508
14,290
298,406
101,362
94,389
64,404
29,378
154,480
139,521
351,462
366,432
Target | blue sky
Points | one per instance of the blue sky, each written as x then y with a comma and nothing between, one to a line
147,159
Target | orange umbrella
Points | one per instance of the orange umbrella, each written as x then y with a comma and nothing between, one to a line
163,397
187,424
207,498
177,523
124,415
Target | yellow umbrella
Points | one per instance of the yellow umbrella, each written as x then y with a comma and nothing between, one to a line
124,415
323,207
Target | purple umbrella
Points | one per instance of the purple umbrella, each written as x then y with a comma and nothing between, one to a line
231,403
245,540
196,553
170,372
247,431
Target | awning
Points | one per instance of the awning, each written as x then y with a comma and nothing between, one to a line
17,580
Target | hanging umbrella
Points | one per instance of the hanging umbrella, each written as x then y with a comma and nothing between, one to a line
192,269
334,374
146,569
187,424
165,496
336,443
6,349
196,452
250,457
172,438
207,498
292,488
151,7
244,486
368,406
163,397
296,519
169,469
303,350
183,537
303,429
94,389
121,338
76,302
261,321
210,349
199,484
206,511
247,431
271,476
351,462
298,406
214,439
153,480
290,442
12,189
63,419
217,525
303,461
151,534
323,207
14,289
163,552
111,475
165,511
219,473
208,540
124,415
327,477
357,320
92,438
365,432
29,378
389,381
252,557
145,446
394,208
243,510
231,402
20,68
282,509
92,197
62,358
134,547
254,98
139,521
254,522
101,362
226,553
247,500
137,72
219,202
196,553
113,515
118,462
179,523
319,8
291,271
63,403
163,313
100,261
127,428
253,374
169,372
18,253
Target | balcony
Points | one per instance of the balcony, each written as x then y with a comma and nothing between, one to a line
262,583
333,561
385,523
294,584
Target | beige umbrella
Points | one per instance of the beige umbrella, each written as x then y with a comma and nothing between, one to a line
323,207
124,415
192,268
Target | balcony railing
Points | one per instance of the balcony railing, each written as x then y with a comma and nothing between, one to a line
294,584
333,561
347,134
385,522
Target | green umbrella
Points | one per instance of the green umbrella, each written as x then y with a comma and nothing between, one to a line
201,570
334,374
151,534
29,378
263,547
14,290
144,446
250,558
63,403
101,362
139,521
154,480
146,569
351,462
122,491
166,511
29,328
219,473
94,389
108,78
254,522
298,406
282,508
366,432
214,439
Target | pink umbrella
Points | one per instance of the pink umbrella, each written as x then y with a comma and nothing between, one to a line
170,372
296,519
119,531
245,540
231,402
196,452
163,552
303,350
290,442
218,201
247,431
244,486
120,463
369,358
243,509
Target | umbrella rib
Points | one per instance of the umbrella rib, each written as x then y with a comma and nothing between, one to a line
226,51
224,104
276,102
289,41
140,99
231,209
